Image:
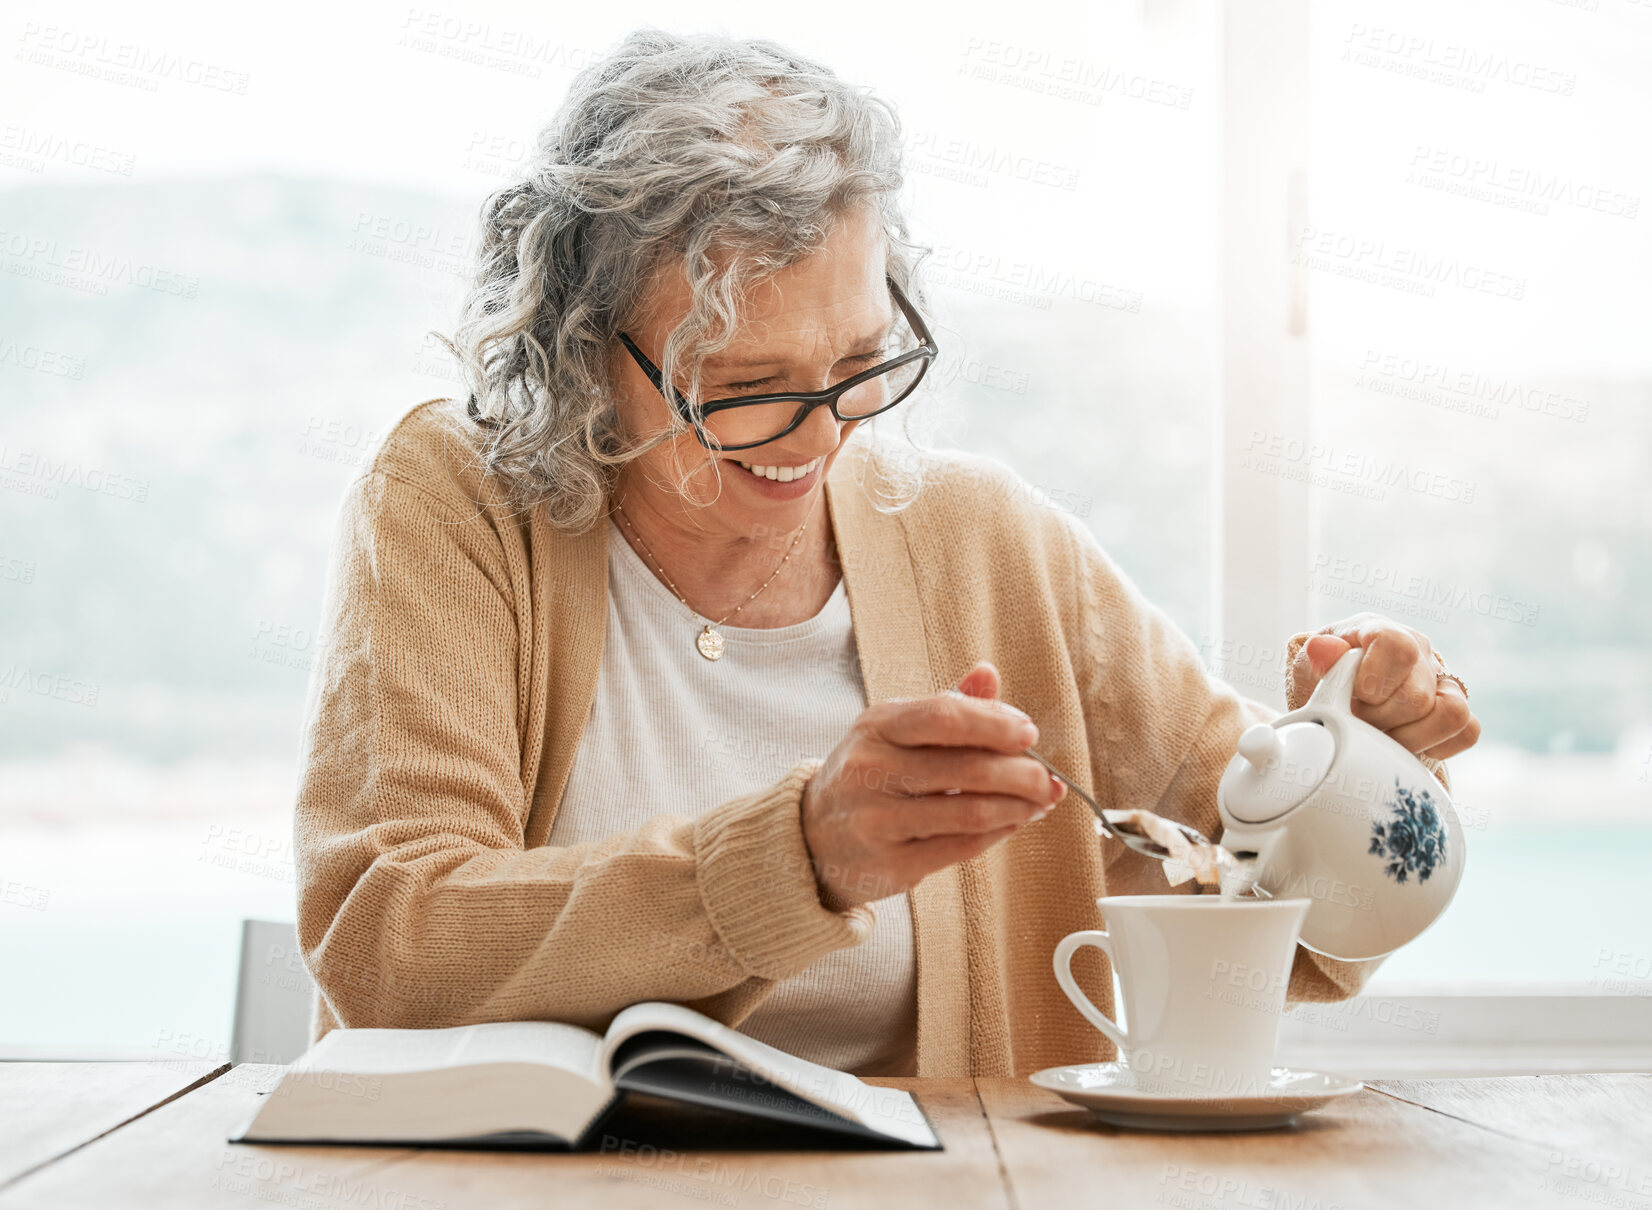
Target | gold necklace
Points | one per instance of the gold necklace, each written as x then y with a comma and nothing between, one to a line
708,641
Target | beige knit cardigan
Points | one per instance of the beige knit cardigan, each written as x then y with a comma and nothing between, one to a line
462,642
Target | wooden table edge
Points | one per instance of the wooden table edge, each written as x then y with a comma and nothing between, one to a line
207,1078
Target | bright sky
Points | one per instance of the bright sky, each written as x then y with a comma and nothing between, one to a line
390,92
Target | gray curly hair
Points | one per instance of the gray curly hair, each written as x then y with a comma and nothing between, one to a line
731,157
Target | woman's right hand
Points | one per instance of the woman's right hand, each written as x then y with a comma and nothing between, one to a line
918,784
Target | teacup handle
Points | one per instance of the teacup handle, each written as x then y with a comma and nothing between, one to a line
1064,975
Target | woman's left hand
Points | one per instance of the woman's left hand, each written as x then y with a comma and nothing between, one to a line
1398,689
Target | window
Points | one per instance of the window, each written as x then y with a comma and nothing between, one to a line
1476,260
216,288
215,296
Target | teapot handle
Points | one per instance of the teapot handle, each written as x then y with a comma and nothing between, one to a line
1336,688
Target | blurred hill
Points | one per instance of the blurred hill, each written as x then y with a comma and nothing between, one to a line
190,370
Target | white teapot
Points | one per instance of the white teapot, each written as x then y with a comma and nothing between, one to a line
1339,813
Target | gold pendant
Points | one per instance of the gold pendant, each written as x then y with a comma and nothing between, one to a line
710,643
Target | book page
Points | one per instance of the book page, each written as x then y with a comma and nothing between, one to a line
389,1051
703,1078
381,1051
750,1065
549,1043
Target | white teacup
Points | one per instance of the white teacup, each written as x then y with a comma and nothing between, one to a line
1201,982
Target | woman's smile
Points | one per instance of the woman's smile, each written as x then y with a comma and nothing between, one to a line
779,481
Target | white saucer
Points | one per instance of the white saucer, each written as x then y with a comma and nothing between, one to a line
1109,1091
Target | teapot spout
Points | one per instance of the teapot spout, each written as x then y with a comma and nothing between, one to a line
1254,849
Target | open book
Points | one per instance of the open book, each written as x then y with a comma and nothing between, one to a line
546,1084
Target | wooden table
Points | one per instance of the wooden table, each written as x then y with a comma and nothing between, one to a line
73,1135
48,1110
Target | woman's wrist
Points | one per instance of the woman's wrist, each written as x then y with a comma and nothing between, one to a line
759,881
829,898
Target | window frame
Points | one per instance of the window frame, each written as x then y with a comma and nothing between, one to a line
1264,534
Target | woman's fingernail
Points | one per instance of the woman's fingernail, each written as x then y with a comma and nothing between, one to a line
1060,789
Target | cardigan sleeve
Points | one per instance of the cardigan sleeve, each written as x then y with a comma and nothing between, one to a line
1162,732
418,903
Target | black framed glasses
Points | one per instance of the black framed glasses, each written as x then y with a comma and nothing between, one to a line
741,421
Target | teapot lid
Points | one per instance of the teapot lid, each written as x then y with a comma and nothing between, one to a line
1276,769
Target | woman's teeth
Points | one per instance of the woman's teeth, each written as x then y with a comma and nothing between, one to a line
782,474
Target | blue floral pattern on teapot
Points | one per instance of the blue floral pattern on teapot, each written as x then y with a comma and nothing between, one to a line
1414,840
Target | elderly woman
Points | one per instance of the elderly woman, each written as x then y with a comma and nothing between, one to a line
650,676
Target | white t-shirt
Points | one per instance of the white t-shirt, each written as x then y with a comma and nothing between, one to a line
673,732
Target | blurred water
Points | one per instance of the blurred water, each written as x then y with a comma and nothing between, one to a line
1541,903
151,970
126,938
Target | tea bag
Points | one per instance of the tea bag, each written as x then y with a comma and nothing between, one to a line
1204,863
